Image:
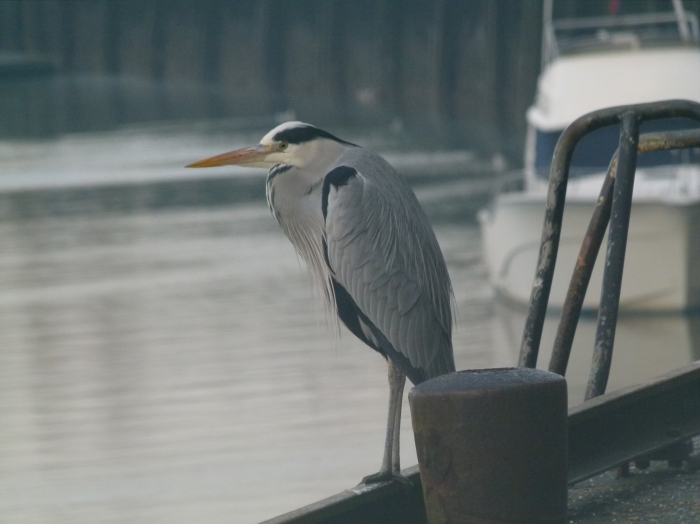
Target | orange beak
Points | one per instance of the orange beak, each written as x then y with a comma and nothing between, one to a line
246,155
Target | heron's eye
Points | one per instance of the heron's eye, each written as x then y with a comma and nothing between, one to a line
283,146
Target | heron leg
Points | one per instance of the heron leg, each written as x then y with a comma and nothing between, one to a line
396,447
391,462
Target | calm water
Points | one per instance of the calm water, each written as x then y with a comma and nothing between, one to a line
173,366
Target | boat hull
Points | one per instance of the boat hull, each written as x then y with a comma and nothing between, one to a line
659,274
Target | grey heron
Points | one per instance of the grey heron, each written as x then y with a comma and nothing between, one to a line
370,247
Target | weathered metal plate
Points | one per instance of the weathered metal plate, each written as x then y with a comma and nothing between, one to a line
382,503
634,421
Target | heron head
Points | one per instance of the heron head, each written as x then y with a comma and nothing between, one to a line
292,143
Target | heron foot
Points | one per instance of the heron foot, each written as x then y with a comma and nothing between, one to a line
387,476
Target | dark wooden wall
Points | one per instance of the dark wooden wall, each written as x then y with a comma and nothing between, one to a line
459,71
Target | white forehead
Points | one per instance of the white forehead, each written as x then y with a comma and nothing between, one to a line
267,139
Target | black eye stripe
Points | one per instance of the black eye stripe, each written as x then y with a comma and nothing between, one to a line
301,134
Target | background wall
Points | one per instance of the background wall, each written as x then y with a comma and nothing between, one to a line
459,73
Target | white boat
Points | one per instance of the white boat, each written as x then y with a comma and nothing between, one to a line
590,64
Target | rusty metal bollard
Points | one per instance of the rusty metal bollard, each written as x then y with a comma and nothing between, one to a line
492,446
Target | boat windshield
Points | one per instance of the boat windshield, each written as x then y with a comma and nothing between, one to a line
594,151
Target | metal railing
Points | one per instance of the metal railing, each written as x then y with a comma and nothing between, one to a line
679,21
616,200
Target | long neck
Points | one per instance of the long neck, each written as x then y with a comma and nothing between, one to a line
294,197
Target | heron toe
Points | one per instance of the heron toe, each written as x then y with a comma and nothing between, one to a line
386,476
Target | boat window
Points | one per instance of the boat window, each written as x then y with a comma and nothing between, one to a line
594,151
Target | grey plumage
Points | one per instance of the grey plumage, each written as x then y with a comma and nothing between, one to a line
369,247
382,249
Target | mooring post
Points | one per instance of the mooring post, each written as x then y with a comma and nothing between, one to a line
492,446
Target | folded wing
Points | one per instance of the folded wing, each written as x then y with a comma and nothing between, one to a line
390,279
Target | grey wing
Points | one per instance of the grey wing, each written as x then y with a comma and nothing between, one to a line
383,253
